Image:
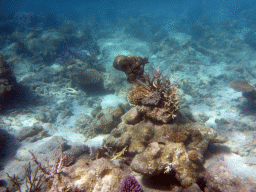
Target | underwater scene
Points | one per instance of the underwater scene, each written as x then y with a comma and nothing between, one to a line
128,96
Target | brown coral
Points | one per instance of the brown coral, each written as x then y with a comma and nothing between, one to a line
133,66
88,77
177,137
154,153
155,97
193,155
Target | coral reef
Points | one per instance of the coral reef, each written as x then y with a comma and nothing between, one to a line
133,66
156,98
163,149
7,81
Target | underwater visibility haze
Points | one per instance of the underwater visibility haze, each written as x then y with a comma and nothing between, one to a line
128,96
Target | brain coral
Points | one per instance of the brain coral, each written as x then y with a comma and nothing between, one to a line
88,77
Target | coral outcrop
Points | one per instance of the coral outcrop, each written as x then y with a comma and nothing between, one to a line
133,66
89,80
164,149
158,139
7,81
156,98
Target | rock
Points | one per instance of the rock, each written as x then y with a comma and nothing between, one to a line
132,116
29,131
219,179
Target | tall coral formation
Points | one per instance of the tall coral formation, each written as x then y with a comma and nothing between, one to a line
156,98
156,142
133,66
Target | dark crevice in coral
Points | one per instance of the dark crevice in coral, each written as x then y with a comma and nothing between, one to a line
201,182
161,181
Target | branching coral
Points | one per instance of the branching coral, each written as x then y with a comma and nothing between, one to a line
33,181
156,97
55,173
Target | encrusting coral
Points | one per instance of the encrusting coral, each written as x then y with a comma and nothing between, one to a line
159,138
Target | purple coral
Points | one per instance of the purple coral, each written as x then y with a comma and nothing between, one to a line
130,184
